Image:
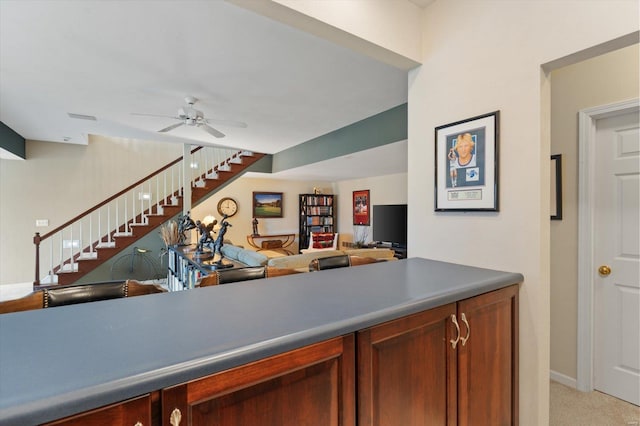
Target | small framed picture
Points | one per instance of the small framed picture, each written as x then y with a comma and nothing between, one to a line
467,164
556,187
361,208
267,204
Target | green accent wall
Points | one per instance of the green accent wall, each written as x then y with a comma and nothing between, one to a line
11,141
381,129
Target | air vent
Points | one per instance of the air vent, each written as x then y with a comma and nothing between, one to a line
81,116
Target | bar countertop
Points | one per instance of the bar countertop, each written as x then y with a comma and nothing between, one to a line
59,361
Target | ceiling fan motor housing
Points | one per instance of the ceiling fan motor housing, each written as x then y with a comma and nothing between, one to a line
190,115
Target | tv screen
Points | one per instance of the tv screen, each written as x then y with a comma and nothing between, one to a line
390,224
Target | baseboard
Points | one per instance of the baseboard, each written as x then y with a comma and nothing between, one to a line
563,379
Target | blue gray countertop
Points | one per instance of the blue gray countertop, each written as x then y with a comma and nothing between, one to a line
59,361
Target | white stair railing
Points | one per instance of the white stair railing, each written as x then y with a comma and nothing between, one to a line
60,249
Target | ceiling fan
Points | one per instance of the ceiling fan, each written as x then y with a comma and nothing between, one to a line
189,116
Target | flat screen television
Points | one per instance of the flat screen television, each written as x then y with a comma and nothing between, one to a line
390,224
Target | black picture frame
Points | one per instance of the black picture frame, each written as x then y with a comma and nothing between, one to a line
466,175
556,187
267,204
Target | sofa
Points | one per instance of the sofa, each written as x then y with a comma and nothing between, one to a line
298,261
301,261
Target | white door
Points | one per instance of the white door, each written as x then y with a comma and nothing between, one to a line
617,247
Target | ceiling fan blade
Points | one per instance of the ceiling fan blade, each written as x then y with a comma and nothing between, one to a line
230,123
173,126
154,115
211,131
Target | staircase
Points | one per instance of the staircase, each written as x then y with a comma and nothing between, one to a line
79,246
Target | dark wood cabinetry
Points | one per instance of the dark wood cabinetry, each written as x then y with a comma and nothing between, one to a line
488,362
134,412
404,371
311,385
456,364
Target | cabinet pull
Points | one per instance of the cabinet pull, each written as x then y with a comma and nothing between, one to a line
464,320
455,341
176,417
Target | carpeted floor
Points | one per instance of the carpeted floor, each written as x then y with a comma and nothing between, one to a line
570,407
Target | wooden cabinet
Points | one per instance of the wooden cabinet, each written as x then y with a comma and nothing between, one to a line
488,362
317,214
314,385
404,371
134,412
409,372
456,364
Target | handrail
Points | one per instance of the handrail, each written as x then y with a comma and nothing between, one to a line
113,197
80,237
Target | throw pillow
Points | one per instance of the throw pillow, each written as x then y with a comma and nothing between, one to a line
323,240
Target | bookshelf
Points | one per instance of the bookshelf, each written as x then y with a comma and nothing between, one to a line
317,214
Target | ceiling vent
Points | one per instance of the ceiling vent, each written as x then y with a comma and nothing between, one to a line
81,116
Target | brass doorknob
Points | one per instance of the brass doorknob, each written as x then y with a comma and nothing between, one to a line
604,270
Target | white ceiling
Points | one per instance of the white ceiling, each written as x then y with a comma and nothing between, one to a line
109,59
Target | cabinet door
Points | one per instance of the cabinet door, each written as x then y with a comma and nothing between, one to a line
404,371
314,385
488,361
134,412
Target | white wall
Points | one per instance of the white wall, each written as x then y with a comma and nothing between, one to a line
477,57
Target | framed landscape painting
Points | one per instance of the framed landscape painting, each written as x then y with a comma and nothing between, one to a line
467,164
267,204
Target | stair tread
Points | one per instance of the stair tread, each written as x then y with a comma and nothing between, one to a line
104,250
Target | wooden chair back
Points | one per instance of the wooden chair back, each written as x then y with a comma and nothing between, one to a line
78,293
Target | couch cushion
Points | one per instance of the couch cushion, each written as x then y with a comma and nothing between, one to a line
252,258
301,261
376,253
230,251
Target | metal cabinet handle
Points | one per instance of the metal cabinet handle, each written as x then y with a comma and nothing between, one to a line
464,320
454,342
176,417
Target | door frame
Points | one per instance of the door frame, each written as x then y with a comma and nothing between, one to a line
586,206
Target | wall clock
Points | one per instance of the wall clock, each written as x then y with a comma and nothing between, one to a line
227,206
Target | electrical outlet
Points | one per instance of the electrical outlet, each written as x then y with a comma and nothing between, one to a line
42,222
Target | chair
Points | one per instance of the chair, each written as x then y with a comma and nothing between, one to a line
319,242
340,261
226,276
78,293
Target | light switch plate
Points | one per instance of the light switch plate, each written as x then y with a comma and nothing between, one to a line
42,222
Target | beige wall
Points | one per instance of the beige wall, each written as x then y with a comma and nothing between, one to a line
242,190
59,181
602,80
391,189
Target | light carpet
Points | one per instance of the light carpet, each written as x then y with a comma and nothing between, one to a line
569,407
